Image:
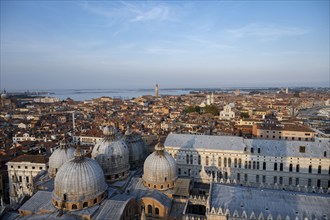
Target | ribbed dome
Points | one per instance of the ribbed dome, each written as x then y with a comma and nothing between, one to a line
79,181
4,95
136,148
59,157
160,171
113,156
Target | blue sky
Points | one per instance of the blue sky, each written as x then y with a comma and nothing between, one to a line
133,44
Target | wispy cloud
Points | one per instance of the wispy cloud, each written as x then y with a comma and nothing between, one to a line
158,13
266,32
130,12
164,51
97,10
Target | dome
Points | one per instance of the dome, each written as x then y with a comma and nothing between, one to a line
4,95
160,171
113,155
61,155
79,183
136,148
8,116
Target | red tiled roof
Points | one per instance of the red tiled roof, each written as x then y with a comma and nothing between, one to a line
30,158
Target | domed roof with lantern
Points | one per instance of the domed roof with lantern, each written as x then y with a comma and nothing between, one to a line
136,147
79,183
61,155
160,170
112,154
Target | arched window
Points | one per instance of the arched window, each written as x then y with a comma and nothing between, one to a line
235,162
191,159
239,163
85,204
219,162
225,162
325,154
319,169
179,171
229,162
64,197
161,186
297,169
318,183
310,169
258,165
249,164
74,206
290,167
275,166
254,165
281,166
187,159
199,159
157,211
207,160
95,201
252,150
238,176
245,165
258,150
264,165
56,203
149,209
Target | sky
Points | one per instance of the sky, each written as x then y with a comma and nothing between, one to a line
179,44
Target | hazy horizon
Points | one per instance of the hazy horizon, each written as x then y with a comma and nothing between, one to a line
122,45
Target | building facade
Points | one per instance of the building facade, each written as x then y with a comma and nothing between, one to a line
21,173
227,113
282,132
292,165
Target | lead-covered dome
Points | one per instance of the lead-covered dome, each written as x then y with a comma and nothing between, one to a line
160,171
61,155
79,183
113,155
136,147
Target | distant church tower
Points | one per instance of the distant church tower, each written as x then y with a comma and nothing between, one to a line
156,90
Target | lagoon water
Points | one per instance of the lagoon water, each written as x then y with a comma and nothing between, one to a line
85,94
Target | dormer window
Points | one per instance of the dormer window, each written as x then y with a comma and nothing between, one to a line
302,149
